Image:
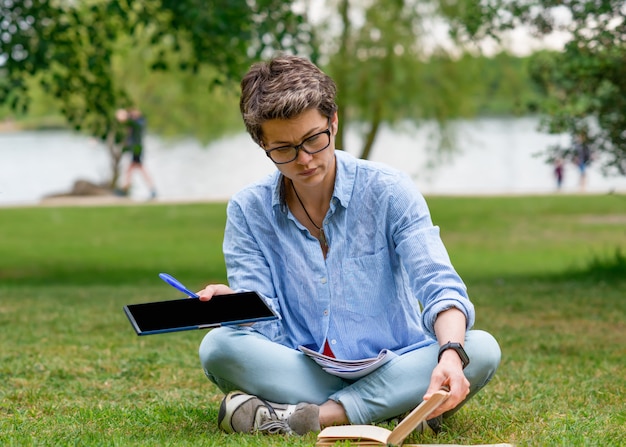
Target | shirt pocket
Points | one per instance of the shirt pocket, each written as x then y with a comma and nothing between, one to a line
368,281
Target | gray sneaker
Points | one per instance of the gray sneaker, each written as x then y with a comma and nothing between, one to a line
245,413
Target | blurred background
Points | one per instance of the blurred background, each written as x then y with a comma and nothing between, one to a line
468,98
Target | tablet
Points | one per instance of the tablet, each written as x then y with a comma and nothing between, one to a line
191,313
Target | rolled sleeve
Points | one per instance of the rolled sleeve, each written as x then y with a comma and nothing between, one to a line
430,313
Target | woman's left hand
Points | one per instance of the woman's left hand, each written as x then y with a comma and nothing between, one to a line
448,373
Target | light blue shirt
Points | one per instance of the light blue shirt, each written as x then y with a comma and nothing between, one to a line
386,276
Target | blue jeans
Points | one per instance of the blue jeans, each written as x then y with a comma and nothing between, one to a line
242,359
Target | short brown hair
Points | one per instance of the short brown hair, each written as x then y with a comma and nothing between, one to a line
283,88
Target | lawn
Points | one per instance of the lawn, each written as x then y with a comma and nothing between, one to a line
547,275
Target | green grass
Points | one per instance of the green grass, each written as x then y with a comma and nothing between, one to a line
547,275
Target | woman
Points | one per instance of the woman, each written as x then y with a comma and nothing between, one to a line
346,253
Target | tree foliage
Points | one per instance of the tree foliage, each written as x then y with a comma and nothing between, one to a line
97,55
585,84
380,65
392,70
70,46
178,102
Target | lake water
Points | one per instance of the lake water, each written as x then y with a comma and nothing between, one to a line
494,156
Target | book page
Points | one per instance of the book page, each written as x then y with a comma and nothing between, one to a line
380,434
333,443
458,445
349,369
413,419
365,432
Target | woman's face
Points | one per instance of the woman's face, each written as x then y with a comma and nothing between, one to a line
307,170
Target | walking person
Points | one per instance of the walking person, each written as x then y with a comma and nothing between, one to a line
346,252
559,168
134,144
582,157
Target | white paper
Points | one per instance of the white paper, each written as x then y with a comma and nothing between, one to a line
349,369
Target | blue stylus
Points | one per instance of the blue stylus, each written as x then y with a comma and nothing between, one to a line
177,284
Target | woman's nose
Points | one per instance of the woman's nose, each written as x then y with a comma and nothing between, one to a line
303,157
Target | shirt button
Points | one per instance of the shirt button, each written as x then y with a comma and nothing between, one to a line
324,280
326,312
333,342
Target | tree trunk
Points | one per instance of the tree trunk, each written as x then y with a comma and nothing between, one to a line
371,135
115,156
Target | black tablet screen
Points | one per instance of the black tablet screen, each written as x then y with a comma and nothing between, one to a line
163,316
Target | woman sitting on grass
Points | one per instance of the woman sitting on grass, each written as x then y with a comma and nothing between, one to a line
347,254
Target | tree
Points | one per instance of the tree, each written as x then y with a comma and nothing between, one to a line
585,84
69,46
387,68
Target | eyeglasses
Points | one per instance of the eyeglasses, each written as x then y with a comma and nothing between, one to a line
311,145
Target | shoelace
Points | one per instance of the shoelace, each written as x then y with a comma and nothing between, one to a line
275,426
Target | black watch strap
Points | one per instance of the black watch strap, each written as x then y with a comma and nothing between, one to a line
459,350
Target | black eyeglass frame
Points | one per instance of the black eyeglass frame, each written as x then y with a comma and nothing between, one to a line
300,147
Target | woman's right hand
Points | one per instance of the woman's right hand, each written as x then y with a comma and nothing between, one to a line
214,289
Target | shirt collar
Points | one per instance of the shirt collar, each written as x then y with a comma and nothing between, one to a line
346,166
278,197
344,180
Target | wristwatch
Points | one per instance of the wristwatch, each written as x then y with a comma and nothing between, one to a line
459,350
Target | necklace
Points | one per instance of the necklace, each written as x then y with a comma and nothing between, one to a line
322,236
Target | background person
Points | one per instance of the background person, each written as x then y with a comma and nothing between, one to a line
346,252
133,144
582,158
559,168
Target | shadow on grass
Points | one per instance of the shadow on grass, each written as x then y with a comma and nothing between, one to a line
608,269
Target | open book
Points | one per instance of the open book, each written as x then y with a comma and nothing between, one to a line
349,369
365,435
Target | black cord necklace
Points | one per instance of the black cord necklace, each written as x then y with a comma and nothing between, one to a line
322,236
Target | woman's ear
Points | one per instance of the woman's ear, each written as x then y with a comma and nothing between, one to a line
334,123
